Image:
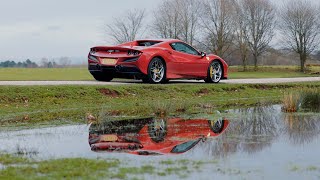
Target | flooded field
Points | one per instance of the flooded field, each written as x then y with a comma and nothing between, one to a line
260,142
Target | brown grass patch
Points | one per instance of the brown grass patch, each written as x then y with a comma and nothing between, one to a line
109,92
291,102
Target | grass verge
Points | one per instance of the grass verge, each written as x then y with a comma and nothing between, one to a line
41,105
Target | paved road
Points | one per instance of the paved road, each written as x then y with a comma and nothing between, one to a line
125,82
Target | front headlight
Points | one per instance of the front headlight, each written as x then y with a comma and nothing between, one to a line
93,58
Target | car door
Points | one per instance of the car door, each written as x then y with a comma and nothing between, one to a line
189,62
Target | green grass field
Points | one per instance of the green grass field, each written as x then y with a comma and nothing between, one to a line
48,74
74,74
236,72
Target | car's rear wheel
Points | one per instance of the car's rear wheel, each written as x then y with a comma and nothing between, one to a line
156,71
216,125
215,71
100,77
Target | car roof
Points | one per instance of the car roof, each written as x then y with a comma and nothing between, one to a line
162,40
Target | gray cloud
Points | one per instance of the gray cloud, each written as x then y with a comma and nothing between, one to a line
38,28
54,28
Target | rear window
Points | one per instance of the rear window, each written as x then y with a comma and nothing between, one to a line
148,43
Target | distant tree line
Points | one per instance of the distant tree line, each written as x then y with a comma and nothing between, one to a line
26,64
44,63
228,28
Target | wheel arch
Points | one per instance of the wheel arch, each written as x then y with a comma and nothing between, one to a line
147,58
162,59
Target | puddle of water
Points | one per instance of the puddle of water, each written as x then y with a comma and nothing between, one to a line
254,142
57,142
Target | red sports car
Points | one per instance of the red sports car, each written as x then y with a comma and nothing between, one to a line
155,61
153,136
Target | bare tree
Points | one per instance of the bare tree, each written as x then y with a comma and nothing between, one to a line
218,25
189,16
239,34
167,20
64,61
178,19
44,62
259,19
300,28
126,28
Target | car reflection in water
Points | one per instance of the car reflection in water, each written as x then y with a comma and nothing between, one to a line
152,136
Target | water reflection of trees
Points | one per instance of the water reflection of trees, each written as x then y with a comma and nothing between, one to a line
252,131
257,128
301,129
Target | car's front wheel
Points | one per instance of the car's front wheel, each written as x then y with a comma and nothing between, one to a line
157,130
156,71
100,77
214,72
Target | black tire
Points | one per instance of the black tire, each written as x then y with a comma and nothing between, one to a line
157,130
216,125
210,77
161,73
104,78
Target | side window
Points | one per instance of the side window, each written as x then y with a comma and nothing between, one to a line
185,48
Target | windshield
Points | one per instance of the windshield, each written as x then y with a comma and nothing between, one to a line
181,148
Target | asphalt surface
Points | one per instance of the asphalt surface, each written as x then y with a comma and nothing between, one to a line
127,82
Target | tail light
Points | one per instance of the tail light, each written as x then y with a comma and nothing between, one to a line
93,58
134,52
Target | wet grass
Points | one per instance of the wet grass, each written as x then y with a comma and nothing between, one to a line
125,172
291,102
56,105
6,159
311,100
61,169
297,168
79,168
307,100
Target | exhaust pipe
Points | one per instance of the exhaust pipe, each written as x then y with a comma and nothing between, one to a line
118,68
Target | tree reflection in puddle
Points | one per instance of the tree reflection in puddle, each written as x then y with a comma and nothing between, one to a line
301,129
153,136
255,129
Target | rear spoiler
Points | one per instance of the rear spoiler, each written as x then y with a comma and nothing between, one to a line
112,48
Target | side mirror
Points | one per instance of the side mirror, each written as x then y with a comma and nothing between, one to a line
203,54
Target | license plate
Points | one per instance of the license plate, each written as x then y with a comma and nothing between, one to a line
109,138
108,61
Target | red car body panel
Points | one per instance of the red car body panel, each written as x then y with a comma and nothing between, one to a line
179,65
179,131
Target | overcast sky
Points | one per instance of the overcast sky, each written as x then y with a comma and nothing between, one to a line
54,28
